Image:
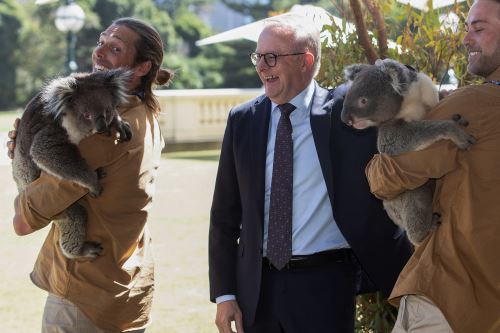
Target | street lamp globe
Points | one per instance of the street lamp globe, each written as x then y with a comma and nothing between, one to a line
70,18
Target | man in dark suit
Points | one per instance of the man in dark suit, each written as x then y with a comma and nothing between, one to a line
294,232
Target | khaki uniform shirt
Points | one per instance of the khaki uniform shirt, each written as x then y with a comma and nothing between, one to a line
114,290
458,265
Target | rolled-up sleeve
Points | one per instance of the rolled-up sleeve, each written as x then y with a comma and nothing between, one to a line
46,198
388,176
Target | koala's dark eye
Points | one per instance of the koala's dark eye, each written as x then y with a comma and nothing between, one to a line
87,115
363,101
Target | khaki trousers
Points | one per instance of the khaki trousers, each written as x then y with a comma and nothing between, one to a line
417,314
62,316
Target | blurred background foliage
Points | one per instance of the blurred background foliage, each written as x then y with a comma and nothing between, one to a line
33,50
416,38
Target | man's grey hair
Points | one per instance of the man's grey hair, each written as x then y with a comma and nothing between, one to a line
305,34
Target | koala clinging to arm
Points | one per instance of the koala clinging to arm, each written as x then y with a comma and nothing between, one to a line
66,111
395,99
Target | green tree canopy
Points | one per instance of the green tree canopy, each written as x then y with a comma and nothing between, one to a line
10,25
36,51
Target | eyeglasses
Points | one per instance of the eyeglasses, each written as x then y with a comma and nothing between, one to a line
269,58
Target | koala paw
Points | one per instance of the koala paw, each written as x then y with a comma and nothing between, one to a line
101,173
124,131
465,141
436,219
90,250
95,191
460,120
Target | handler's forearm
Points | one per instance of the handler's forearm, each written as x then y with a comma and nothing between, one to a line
388,176
387,179
21,228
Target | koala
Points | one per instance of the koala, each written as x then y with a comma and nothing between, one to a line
67,110
395,98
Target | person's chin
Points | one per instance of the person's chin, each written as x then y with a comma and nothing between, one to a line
270,92
474,68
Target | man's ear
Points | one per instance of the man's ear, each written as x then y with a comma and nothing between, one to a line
308,60
142,68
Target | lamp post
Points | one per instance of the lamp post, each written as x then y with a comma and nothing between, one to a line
70,19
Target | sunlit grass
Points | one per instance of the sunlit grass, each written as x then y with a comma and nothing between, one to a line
202,155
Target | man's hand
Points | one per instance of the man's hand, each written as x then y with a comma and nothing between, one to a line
227,312
21,228
11,144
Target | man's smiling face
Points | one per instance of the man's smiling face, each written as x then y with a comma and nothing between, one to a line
483,37
115,48
288,78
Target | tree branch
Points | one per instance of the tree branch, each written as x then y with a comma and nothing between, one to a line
374,10
362,31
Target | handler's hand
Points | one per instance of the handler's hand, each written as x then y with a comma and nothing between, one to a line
11,144
227,312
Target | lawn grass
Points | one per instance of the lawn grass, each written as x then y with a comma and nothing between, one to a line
203,155
179,225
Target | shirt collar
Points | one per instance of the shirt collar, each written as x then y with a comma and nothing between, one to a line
302,101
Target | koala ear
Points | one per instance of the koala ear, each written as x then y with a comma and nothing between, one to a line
350,72
57,95
397,74
379,62
119,79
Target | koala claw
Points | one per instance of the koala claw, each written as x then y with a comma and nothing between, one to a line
91,250
124,131
472,140
101,173
436,218
95,192
466,142
460,120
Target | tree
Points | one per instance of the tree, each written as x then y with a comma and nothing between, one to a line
173,6
422,43
9,28
255,8
213,66
40,53
258,9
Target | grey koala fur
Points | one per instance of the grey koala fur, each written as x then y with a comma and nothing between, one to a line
394,98
67,110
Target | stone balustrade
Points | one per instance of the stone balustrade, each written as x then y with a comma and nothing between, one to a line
196,118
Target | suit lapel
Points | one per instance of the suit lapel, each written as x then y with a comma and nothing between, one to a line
260,131
321,130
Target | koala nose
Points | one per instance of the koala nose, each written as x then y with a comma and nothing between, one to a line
100,125
346,118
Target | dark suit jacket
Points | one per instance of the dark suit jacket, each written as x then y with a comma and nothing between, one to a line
237,214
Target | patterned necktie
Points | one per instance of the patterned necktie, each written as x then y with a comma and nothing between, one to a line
279,243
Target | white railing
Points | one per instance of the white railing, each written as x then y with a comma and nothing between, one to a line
198,115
